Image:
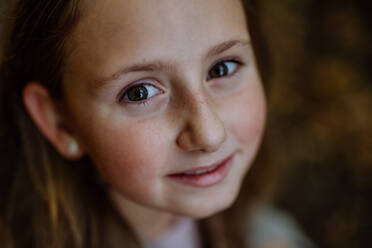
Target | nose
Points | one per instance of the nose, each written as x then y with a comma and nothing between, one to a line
203,130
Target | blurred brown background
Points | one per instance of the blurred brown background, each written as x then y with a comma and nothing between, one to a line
319,141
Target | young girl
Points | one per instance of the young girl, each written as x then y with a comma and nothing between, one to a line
125,121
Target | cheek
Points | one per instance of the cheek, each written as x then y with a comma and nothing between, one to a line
247,114
127,155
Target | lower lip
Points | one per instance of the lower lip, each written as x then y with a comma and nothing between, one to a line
206,179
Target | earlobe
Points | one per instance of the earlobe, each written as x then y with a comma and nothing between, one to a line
44,112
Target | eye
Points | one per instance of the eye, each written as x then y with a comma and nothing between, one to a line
139,93
223,69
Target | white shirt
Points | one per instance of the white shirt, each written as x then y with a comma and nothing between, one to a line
185,234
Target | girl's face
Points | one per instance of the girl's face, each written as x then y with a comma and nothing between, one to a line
159,91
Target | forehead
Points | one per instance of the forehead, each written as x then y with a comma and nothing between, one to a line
160,12
142,28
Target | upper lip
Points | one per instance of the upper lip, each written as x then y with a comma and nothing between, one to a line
216,164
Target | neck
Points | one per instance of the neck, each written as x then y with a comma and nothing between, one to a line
148,223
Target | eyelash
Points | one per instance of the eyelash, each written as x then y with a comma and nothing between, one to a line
146,101
122,96
237,62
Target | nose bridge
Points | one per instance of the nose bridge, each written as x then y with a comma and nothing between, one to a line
203,129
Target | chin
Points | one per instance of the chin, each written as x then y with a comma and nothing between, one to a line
202,210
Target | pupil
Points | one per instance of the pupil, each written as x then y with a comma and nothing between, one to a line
220,70
137,93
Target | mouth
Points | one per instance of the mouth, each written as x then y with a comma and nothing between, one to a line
204,176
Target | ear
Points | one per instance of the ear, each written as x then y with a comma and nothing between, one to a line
44,112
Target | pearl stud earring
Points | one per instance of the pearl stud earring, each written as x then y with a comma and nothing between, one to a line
73,147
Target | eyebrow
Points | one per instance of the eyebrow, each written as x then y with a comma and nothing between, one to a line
158,65
218,49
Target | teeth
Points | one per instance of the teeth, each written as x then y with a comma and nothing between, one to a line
199,171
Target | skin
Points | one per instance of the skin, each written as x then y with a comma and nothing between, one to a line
191,121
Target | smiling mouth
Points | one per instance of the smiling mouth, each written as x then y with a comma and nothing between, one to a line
204,176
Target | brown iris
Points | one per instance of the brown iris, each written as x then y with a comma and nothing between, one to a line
137,93
219,70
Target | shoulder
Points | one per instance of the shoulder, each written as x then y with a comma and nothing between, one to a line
269,227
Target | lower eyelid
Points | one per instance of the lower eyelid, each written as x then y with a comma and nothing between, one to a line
147,108
222,83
